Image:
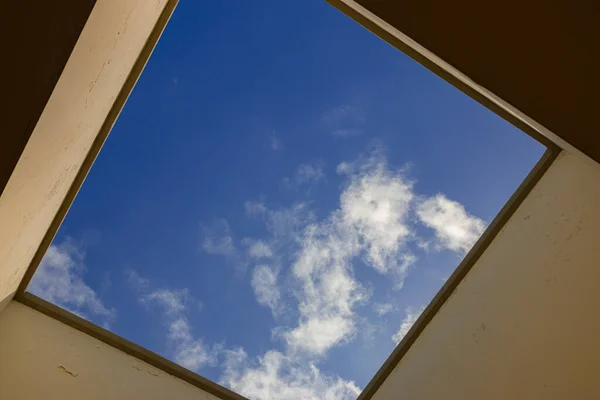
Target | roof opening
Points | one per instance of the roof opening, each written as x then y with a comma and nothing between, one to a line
279,200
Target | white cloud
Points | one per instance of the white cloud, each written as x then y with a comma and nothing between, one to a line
172,302
307,173
187,350
190,352
372,222
278,377
258,249
328,289
376,206
346,132
283,224
344,168
317,335
382,309
410,317
218,240
59,280
264,283
455,229
255,208
287,224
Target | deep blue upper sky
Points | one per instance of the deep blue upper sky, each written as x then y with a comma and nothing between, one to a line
218,229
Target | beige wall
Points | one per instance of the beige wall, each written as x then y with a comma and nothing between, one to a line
42,358
95,73
524,322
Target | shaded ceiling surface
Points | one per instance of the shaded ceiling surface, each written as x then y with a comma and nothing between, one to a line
543,57
36,40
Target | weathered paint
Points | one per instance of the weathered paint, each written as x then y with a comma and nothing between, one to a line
43,358
98,67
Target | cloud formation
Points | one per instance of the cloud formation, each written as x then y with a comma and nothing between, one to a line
318,306
272,376
344,121
455,229
59,280
284,225
186,350
264,283
258,249
255,208
370,224
276,376
217,239
411,315
343,113
307,173
382,309
375,206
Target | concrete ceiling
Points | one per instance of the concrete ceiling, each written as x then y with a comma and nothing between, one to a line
542,57
36,41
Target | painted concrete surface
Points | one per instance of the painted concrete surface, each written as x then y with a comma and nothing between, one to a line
42,358
523,323
101,61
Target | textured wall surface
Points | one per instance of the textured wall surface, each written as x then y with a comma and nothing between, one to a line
523,323
97,69
42,358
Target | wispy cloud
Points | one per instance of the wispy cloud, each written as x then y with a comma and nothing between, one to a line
258,249
370,223
382,309
306,174
455,229
284,224
411,315
374,223
187,350
273,376
275,143
373,226
217,239
344,121
276,376
343,113
59,279
264,283
255,208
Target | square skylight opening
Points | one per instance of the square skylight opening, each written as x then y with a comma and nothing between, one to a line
282,191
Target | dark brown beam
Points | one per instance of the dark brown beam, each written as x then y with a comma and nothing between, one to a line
542,57
36,39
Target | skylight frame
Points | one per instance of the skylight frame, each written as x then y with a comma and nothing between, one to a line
439,68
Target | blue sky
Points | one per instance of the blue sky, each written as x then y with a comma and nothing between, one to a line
281,196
